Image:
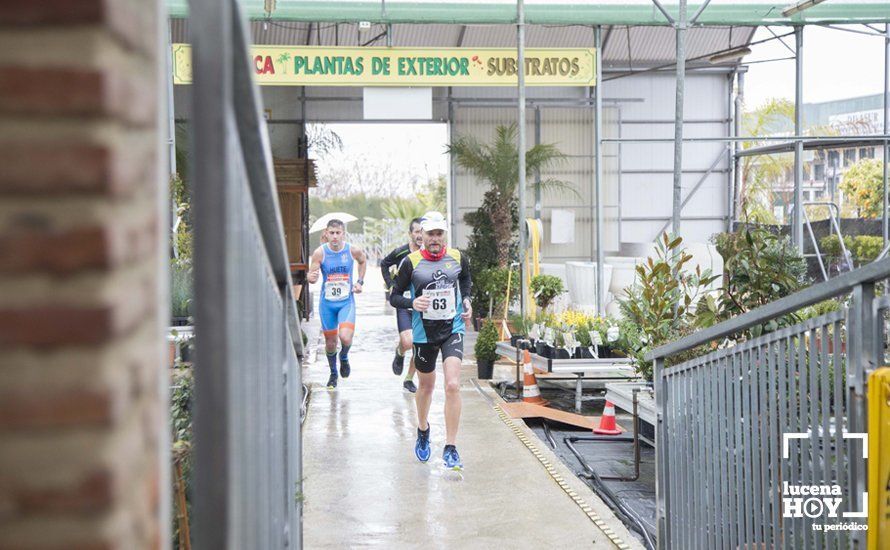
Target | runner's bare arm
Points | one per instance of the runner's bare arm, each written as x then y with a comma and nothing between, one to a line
465,284
315,265
359,255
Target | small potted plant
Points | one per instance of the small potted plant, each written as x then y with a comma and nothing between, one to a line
545,289
584,341
486,350
559,347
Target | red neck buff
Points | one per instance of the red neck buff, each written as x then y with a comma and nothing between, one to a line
433,257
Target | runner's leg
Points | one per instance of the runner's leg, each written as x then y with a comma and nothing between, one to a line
347,330
452,356
330,349
452,398
405,342
346,326
426,360
403,322
328,317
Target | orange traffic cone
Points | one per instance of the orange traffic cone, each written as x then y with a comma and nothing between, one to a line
607,421
530,391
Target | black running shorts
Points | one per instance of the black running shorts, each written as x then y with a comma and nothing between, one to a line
425,354
404,319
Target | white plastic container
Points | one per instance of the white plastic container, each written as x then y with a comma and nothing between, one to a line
623,272
581,282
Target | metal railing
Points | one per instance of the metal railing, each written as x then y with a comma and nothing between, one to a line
248,393
725,459
833,210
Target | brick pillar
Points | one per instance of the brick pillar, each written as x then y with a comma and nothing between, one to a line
82,412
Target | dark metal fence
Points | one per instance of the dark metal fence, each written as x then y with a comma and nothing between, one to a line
741,427
248,393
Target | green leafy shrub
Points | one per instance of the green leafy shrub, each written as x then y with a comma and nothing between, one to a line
822,308
182,234
758,267
862,184
181,397
830,245
545,288
486,342
863,248
490,290
866,248
181,289
661,300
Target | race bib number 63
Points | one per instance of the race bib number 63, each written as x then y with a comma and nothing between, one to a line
442,304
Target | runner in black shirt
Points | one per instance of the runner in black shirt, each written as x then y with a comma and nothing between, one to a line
437,279
388,266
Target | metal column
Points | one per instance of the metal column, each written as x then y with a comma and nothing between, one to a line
797,217
730,152
678,119
538,205
737,130
450,196
171,115
598,175
520,72
212,41
884,224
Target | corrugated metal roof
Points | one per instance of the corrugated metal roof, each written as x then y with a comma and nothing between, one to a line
651,45
648,45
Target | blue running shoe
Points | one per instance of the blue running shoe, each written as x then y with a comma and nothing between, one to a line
422,446
452,459
332,381
344,368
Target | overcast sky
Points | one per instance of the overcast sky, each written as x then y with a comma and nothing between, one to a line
837,65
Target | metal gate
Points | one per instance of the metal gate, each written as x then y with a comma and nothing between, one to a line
247,491
742,429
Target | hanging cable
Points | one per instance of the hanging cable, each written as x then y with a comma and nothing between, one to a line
624,512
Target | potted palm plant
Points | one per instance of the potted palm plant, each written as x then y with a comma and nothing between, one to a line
492,242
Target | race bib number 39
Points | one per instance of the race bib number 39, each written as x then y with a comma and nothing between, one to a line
442,304
336,289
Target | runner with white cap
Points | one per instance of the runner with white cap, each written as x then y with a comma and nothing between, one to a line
438,281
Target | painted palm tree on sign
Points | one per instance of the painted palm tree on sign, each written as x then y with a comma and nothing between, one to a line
282,60
498,164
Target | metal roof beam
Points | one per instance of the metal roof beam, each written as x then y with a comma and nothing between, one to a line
664,12
590,13
699,12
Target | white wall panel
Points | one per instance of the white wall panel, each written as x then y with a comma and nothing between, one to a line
571,129
650,97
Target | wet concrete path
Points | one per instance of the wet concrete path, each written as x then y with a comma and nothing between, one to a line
363,486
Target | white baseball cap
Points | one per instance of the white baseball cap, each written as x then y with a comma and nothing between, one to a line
433,220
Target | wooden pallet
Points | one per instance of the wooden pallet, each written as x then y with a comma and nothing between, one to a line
530,410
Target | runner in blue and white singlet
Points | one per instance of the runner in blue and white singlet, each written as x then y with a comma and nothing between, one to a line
334,261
